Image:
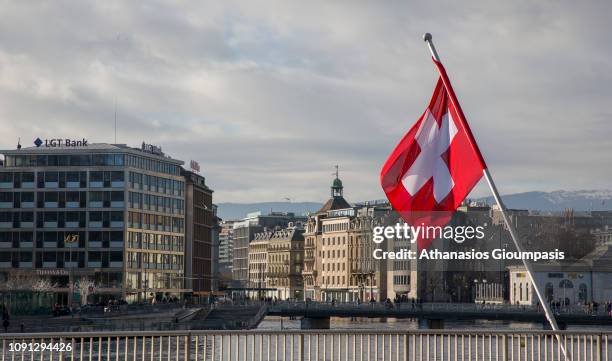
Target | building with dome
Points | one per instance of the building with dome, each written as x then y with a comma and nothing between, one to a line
338,247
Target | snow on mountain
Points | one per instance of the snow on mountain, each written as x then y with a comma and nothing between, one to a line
579,200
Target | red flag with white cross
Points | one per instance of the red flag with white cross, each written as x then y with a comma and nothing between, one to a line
435,165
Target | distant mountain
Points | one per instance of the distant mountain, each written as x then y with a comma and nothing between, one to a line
239,210
581,200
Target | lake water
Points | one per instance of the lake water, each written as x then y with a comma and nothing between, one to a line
339,323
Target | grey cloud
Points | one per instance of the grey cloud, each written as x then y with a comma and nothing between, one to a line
268,96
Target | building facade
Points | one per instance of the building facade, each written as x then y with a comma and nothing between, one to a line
286,263
338,248
92,222
244,232
258,265
199,220
226,250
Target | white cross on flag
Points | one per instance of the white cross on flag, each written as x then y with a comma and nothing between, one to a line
436,165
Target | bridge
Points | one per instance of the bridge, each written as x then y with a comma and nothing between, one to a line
316,315
300,345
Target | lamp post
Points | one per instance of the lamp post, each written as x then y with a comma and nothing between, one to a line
71,239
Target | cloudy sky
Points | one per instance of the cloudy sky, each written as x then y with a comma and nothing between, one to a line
269,96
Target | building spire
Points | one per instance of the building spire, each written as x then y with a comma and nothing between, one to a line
336,188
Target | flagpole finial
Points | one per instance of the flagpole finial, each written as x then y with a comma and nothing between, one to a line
427,38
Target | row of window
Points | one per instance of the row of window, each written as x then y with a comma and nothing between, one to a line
156,222
154,261
335,281
64,160
60,199
86,160
335,227
332,253
55,179
153,241
97,219
151,281
156,184
401,280
331,241
60,239
61,259
332,267
150,202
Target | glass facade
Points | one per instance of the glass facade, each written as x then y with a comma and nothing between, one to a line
116,219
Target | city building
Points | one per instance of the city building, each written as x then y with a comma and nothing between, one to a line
338,250
258,264
226,249
216,230
602,235
92,221
243,233
402,274
199,221
285,262
566,282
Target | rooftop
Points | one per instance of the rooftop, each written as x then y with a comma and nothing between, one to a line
63,148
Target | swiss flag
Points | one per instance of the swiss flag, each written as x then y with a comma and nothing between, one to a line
435,165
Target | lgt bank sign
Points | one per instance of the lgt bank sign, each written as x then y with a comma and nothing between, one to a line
60,142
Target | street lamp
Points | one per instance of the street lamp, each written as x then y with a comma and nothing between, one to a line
71,239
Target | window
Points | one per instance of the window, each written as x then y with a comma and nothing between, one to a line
116,196
95,216
51,177
117,176
96,176
27,177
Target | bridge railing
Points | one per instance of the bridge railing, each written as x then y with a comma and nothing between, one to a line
310,345
430,306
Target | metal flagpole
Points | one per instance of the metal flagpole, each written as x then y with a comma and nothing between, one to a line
548,312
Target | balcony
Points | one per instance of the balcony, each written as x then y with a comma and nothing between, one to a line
73,184
49,264
117,204
26,225
73,264
26,264
73,205
27,185
6,185
6,204
8,264
116,244
72,224
117,224
6,224
51,184
117,264
50,224
96,184
27,204
26,244
94,244
94,264
49,244
117,184
96,204
50,204
95,224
